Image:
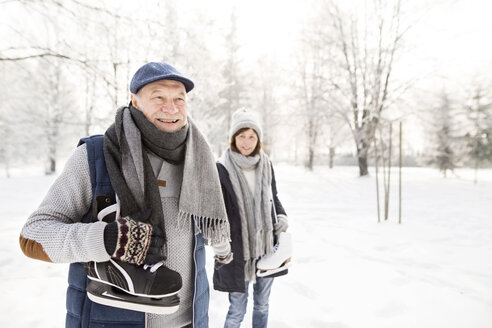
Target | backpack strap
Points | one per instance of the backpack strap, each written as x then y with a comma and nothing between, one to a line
102,190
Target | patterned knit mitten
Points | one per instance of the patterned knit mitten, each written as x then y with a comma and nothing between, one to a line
134,242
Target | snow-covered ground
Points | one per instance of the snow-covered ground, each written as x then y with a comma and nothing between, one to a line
434,270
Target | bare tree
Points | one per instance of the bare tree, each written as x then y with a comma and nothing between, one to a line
266,100
314,72
232,95
479,135
366,48
311,103
55,109
38,63
335,129
445,155
6,145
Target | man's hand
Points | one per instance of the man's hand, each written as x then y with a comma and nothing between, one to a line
134,242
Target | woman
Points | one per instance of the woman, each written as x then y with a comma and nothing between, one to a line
248,186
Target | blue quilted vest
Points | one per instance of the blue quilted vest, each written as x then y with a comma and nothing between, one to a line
81,311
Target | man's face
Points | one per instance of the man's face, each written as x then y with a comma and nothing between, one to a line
163,103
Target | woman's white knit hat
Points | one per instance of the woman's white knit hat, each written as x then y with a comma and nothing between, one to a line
245,119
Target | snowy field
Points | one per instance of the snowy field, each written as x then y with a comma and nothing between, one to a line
432,271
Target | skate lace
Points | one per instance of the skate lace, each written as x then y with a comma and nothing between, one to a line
274,250
153,267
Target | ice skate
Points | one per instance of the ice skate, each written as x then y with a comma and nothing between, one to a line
145,288
279,260
101,293
141,288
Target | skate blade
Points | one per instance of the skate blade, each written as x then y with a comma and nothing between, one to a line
100,294
131,293
266,273
259,267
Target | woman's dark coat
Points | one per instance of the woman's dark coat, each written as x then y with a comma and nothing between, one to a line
230,277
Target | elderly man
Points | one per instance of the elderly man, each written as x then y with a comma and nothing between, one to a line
134,208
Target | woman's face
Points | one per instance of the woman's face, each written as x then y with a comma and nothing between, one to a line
246,141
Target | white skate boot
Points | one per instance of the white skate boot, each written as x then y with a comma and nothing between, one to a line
279,260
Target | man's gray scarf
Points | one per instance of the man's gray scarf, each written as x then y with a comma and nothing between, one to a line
254,209
132,177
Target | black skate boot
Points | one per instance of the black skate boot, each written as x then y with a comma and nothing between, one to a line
150,289
144,288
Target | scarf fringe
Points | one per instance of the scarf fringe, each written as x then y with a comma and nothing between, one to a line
214,230
250,263
250,270
269,242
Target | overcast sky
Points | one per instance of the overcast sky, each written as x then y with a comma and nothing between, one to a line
449,38
454,39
